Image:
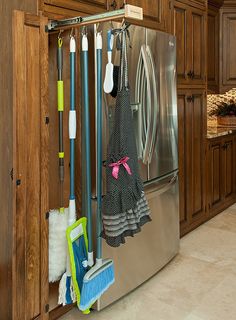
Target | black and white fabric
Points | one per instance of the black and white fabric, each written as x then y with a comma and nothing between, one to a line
125,208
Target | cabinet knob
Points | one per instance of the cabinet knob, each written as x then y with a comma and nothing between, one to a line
224,146
189,74
190,98
113,4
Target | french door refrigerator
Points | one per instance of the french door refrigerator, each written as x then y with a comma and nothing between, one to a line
152,79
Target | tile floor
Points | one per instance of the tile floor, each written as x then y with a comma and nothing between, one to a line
199,284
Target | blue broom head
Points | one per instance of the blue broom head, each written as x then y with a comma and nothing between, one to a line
95,283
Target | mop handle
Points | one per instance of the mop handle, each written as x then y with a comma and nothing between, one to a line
60,107
72,118
87,145
99,143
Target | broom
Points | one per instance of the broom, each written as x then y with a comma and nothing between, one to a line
66,291
99,278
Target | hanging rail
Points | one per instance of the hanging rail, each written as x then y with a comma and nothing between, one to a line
129,11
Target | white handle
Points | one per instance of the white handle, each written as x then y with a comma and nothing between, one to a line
72,44
72,124
84,43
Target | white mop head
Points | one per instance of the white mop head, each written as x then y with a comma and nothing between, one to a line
57,244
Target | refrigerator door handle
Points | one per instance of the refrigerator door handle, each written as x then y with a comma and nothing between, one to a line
154,105
143,94
153,192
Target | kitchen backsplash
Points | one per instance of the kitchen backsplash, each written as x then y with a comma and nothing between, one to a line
214,98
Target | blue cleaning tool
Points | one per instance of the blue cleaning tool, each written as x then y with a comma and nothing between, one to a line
100,277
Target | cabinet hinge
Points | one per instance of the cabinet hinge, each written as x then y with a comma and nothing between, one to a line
46,308
18,182
47,215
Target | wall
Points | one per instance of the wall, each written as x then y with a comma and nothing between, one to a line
6,155
214,98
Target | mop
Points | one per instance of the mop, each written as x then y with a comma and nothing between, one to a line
99,278
67,294
58,218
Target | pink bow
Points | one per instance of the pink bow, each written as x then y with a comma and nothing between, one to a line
116,167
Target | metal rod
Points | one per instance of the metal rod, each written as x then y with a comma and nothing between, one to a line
128,11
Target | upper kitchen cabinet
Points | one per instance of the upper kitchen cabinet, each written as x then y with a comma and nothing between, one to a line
155,12
72,7
221,46
189,27
213,47
228,49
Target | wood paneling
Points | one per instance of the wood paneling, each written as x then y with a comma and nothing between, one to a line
229,49
191,113
179,29
213,49
31,166
197,45
189,27
7,185
221,173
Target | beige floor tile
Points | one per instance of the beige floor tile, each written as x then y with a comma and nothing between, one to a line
185,281
199,284
219,304
212,245
225,221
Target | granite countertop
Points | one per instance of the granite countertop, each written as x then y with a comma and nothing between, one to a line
213,131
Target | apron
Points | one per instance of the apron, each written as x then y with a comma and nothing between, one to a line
124,207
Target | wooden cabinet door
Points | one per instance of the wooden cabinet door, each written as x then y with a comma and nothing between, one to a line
228,167
197,46
213,49
228,50
30,145
214,172
179,29
154,11
191,114
196,139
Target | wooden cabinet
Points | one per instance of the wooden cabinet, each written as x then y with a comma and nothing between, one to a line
189,27
221,157
221,46
191,113
213,49
155,12
228,49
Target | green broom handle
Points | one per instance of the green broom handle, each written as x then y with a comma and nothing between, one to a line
99,143
60,104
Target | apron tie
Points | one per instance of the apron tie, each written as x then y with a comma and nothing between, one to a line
116,167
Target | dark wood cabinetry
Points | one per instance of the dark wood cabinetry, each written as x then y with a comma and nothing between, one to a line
221,157
213,48
189,27
221,46
191,111
228,49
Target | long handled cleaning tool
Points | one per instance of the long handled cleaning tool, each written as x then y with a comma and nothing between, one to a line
99,278
58,218
66,290
85,73
76,233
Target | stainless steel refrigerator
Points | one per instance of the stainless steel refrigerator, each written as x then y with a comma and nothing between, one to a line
152,79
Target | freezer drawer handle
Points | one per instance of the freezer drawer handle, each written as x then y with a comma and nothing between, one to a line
165,188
